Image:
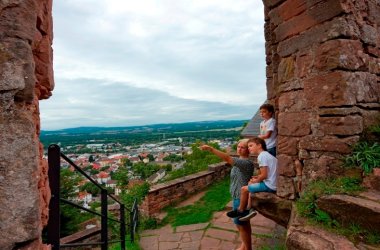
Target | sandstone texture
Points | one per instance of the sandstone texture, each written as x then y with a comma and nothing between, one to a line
26,75
323,79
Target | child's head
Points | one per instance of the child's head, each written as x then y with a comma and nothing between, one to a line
266,111
256,145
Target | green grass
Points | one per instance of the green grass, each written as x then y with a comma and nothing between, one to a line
128,245
276,247
215,199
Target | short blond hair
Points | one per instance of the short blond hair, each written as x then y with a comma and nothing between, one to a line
244,141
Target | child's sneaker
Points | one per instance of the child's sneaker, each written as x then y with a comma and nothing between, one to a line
252,213
237,213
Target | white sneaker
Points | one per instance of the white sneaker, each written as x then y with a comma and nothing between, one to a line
252,213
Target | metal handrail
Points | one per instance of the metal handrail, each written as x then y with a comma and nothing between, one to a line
53,227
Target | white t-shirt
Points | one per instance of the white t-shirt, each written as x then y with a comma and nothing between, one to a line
269,125
265,159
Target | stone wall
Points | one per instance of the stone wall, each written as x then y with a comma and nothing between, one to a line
162,195
26,76
323,74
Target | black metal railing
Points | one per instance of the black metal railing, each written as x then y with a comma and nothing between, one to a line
53,227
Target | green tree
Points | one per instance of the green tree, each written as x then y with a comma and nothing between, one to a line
121,176
70,218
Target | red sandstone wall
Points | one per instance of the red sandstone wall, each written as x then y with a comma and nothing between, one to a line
323,74
26,76
162,195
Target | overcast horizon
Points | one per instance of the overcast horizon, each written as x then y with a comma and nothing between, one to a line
126,63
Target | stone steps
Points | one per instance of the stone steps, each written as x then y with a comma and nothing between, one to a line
363,210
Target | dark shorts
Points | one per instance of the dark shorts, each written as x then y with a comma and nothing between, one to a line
235,206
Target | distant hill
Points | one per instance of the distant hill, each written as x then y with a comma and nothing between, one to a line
165,127
189,131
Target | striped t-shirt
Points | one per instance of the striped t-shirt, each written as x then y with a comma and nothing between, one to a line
241,173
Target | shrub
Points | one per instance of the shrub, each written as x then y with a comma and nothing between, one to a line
365,155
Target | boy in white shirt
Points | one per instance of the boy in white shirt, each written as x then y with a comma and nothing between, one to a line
268,130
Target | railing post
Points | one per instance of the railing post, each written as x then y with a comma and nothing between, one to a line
53,226
122,226
131,230
104,220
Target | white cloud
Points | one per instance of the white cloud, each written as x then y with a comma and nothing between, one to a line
195,53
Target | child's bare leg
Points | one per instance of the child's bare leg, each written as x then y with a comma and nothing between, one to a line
243,198
249,206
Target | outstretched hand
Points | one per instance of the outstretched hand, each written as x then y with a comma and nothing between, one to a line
205,147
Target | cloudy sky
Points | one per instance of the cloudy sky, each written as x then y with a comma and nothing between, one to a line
128,62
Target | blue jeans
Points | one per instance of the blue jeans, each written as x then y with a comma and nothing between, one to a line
272,151
260,187
235,206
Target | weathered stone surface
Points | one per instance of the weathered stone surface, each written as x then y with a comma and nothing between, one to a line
42,50
290,124
285,187
346,209
18,19
313,238
305,237
287,10
373,12
341,88
347,125
369,35
17,68
273,207
340,53
293,101
286,69
287,145
285,165
304,64
328,143
19,214
372,181
23,172
332,29
320,12
272,3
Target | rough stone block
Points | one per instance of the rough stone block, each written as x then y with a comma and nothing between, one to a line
343,54
272,3
369,35
287,145
328,143
320,12
286,69
304,65
355,209
347,125
285,165
287,10
373,11
293,101
290,124
18,19
329,30
285,187
341,89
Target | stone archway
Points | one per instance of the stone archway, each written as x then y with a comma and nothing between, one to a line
323,67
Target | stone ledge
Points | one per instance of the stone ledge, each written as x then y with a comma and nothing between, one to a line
273,207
